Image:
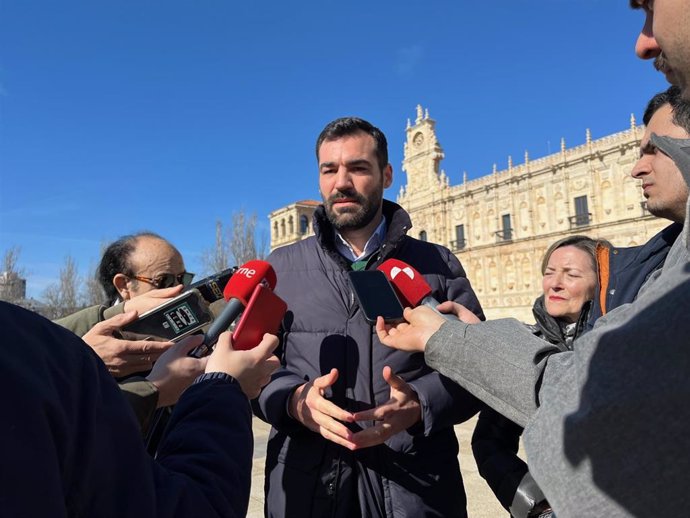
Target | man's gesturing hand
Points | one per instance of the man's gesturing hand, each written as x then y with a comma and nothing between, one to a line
309,406
123,357
399,413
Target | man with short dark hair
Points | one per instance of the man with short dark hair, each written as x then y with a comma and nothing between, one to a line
623,271
358,430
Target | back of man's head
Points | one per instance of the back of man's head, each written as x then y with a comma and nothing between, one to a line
346,126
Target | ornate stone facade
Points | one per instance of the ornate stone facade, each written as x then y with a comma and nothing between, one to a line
500,225
292,223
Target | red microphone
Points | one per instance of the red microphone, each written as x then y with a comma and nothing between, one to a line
237,292
411,288
264,314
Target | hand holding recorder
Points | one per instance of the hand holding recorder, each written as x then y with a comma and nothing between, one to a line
164,318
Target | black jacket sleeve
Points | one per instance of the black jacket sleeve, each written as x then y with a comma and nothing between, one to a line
67,430
495,445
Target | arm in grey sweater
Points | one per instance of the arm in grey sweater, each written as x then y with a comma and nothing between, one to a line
500,362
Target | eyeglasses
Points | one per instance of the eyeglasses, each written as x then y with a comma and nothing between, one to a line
166,280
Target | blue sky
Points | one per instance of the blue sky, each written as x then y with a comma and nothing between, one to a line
168,115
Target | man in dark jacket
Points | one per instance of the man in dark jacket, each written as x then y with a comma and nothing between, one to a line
359,430
623,271
70,445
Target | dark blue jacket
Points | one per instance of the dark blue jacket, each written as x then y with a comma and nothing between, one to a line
416,472
70,445
623,271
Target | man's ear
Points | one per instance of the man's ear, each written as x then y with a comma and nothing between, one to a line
120,283
387,176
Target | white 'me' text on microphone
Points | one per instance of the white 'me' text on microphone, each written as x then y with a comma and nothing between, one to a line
237,292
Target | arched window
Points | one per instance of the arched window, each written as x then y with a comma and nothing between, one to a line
303,224
422,235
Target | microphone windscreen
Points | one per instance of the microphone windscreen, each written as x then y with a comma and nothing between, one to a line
241,285
409,284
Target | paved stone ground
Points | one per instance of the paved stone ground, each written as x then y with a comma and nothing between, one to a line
481,502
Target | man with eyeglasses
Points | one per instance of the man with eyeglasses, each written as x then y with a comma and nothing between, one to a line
139,263
137,272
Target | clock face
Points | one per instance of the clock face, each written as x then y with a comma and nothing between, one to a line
418,139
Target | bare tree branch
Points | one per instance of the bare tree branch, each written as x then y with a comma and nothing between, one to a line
92,293
12,282
61,297
238,247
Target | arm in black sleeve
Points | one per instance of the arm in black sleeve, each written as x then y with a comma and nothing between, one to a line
67,425
495,445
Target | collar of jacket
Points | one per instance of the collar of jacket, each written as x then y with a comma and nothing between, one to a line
550,327
398,224
641,253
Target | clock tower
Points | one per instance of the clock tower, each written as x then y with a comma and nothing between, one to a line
426,182
422,155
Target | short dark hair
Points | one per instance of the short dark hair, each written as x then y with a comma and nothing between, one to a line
349,126
584,243
116,259
679,107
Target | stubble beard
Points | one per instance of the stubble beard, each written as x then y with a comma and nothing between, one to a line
352,218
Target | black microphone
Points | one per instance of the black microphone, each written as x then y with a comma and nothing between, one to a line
211,287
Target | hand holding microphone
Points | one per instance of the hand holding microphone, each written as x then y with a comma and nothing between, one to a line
248,355
252,368
428,315
413,334
237,292
410,286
